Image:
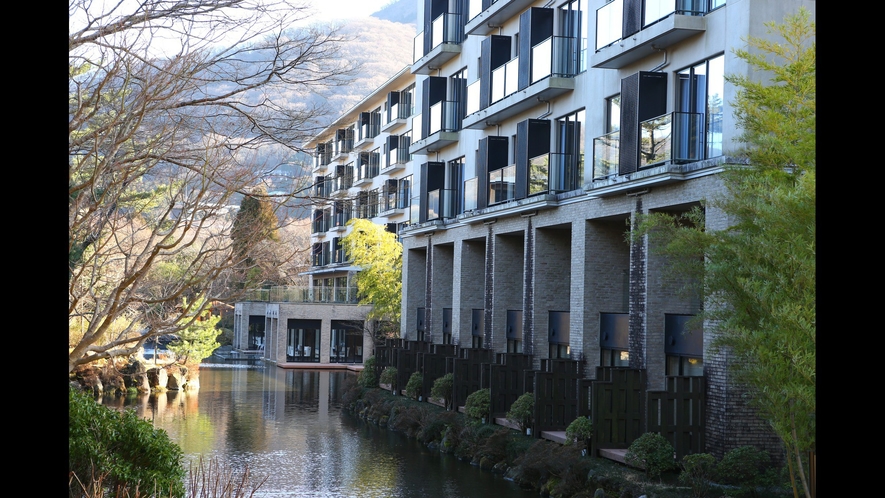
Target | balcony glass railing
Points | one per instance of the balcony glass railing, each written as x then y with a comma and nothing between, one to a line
444,116
606,150
609,17
502,184
555,56
417,125
505,80
655,10
446,28
609,21
343,182
655,140
474,8
552,172
414,210
471,104
300,294
418,47
440,204
471,188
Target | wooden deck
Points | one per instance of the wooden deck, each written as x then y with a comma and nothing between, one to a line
353,367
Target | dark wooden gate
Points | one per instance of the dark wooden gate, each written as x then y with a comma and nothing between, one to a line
678,413
385,353
556,394
434,362
618,407
468,370
407,361
508,381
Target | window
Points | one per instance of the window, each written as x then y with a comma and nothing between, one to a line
683,345
613,113
567,166
454,183
699,109
573,22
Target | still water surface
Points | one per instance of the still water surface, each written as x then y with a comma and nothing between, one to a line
288,426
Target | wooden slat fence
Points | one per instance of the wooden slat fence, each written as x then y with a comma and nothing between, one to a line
618,413
678,413
556,394
508,381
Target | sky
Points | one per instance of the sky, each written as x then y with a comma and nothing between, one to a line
331,10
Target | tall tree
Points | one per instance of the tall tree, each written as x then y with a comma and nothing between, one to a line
255,227
758,275
168,103
379,256
198,340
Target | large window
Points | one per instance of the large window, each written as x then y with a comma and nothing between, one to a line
573,22
699,105
570,145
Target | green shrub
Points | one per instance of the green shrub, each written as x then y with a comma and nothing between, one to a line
120,450
697,472
581,429
746,467
388,376
652,452
443,388
368,377
522,411
413,386
478,404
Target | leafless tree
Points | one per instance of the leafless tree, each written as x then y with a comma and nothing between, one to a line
168,103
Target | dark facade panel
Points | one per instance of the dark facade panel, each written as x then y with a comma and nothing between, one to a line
614,331
432,178
491,156
558,329
433,90
535,26
532,140
632,21
514,325
643,96
495,53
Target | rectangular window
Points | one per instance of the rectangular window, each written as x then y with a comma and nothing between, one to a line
699,110
567,165
573,24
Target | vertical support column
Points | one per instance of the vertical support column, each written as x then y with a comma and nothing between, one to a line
528,301
428,292
488,301
577,338
637,293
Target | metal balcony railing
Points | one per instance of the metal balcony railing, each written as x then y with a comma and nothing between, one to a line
552,172
609,17
606,159
502,184
440,204
302,294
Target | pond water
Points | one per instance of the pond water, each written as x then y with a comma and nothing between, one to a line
288,426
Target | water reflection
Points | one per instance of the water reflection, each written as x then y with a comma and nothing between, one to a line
287,425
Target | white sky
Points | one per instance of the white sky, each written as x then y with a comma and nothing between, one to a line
331,10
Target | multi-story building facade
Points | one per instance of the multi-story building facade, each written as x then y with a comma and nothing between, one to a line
362,169
512,158
548,127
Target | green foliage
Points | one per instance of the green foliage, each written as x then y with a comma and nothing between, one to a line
388,376
368,376
413,386
378,254
199,339
255,222
478,404
522,411
652,452
697,471
121,450
747,467
581,429
759,274
443,388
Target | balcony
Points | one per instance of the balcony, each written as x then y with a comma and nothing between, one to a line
367,168
396,159
444,124
502,185
486,22
341,184
664,23
551,173
299,294
440,204
671,148
553,66
445,44
397,114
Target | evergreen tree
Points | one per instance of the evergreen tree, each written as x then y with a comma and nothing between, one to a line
199,338
758,276
254,224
